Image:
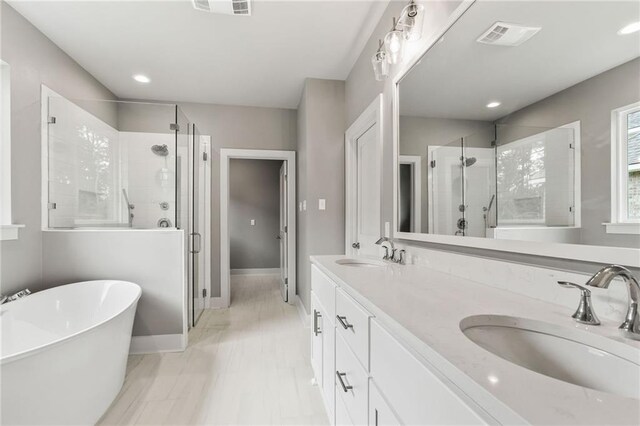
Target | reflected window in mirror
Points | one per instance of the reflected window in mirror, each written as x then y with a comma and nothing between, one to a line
625,176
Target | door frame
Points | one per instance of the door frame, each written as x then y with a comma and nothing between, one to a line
225,242
415,161
372,116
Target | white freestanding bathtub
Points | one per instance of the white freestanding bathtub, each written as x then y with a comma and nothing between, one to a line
64,352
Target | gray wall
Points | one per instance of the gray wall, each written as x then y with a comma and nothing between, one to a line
34,60
321,127
254,193
591,102
237,127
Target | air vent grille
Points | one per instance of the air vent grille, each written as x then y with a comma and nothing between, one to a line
224,7
241,7
505,34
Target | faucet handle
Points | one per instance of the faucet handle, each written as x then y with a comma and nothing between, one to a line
585,291
584,313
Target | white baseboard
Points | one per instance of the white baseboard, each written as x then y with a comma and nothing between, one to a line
304,317
256,271
158,343
217,303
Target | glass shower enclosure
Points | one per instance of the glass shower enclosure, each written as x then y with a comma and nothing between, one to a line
119,165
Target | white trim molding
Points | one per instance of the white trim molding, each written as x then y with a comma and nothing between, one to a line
620,223
158,343
225,241
304,316
256,271
629,228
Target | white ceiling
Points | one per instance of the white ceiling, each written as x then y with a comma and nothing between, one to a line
578,40
194,56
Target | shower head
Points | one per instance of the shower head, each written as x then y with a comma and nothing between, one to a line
161,150
469,161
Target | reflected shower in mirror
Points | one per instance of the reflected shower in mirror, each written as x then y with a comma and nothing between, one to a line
523,122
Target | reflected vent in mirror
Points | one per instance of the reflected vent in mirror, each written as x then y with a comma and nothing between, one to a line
225,7
505,34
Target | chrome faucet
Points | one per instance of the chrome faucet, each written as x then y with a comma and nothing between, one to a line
16,296
603,278
585,313
387,240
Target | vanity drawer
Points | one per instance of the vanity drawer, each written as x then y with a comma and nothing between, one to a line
417,395
352,323
352,384
325,290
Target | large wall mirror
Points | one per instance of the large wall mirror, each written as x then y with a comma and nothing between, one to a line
522,123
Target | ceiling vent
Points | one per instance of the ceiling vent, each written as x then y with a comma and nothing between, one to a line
225,7
505,34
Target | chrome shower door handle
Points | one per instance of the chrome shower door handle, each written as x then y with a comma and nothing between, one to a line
193,242
345,387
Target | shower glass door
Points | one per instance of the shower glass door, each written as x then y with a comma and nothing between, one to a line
197,263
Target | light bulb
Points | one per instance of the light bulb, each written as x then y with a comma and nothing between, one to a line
411,20
380,65
393,46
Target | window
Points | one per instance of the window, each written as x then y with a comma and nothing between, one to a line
8,231
625,178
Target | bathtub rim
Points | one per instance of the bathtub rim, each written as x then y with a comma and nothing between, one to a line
37,349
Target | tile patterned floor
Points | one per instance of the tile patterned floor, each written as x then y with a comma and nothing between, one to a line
245,365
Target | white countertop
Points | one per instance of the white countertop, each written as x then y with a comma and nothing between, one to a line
423,308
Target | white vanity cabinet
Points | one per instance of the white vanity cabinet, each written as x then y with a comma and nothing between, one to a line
367,376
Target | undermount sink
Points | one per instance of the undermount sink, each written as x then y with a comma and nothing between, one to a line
361,263
573,356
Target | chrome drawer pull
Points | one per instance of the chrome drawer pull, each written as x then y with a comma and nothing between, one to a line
316,315
344,387
344,323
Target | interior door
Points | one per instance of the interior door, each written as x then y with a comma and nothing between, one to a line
282,236
368,192
197,278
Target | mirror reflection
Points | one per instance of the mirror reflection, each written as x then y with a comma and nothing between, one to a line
523,122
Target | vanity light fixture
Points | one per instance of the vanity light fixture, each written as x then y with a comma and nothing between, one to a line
380,63
409,28
633,27
493,104
141,78
394,44
411,20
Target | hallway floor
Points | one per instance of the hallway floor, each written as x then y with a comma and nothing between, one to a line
245,365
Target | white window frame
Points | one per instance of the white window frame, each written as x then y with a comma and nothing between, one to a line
8,230
620,223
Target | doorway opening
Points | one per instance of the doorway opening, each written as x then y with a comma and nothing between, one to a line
257,218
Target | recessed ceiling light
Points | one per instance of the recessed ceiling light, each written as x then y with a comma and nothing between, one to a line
629,29
140,78
493,104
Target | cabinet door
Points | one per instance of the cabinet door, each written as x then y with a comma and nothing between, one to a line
380,414
316,339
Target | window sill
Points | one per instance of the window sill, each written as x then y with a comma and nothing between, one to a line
9,232
623,228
